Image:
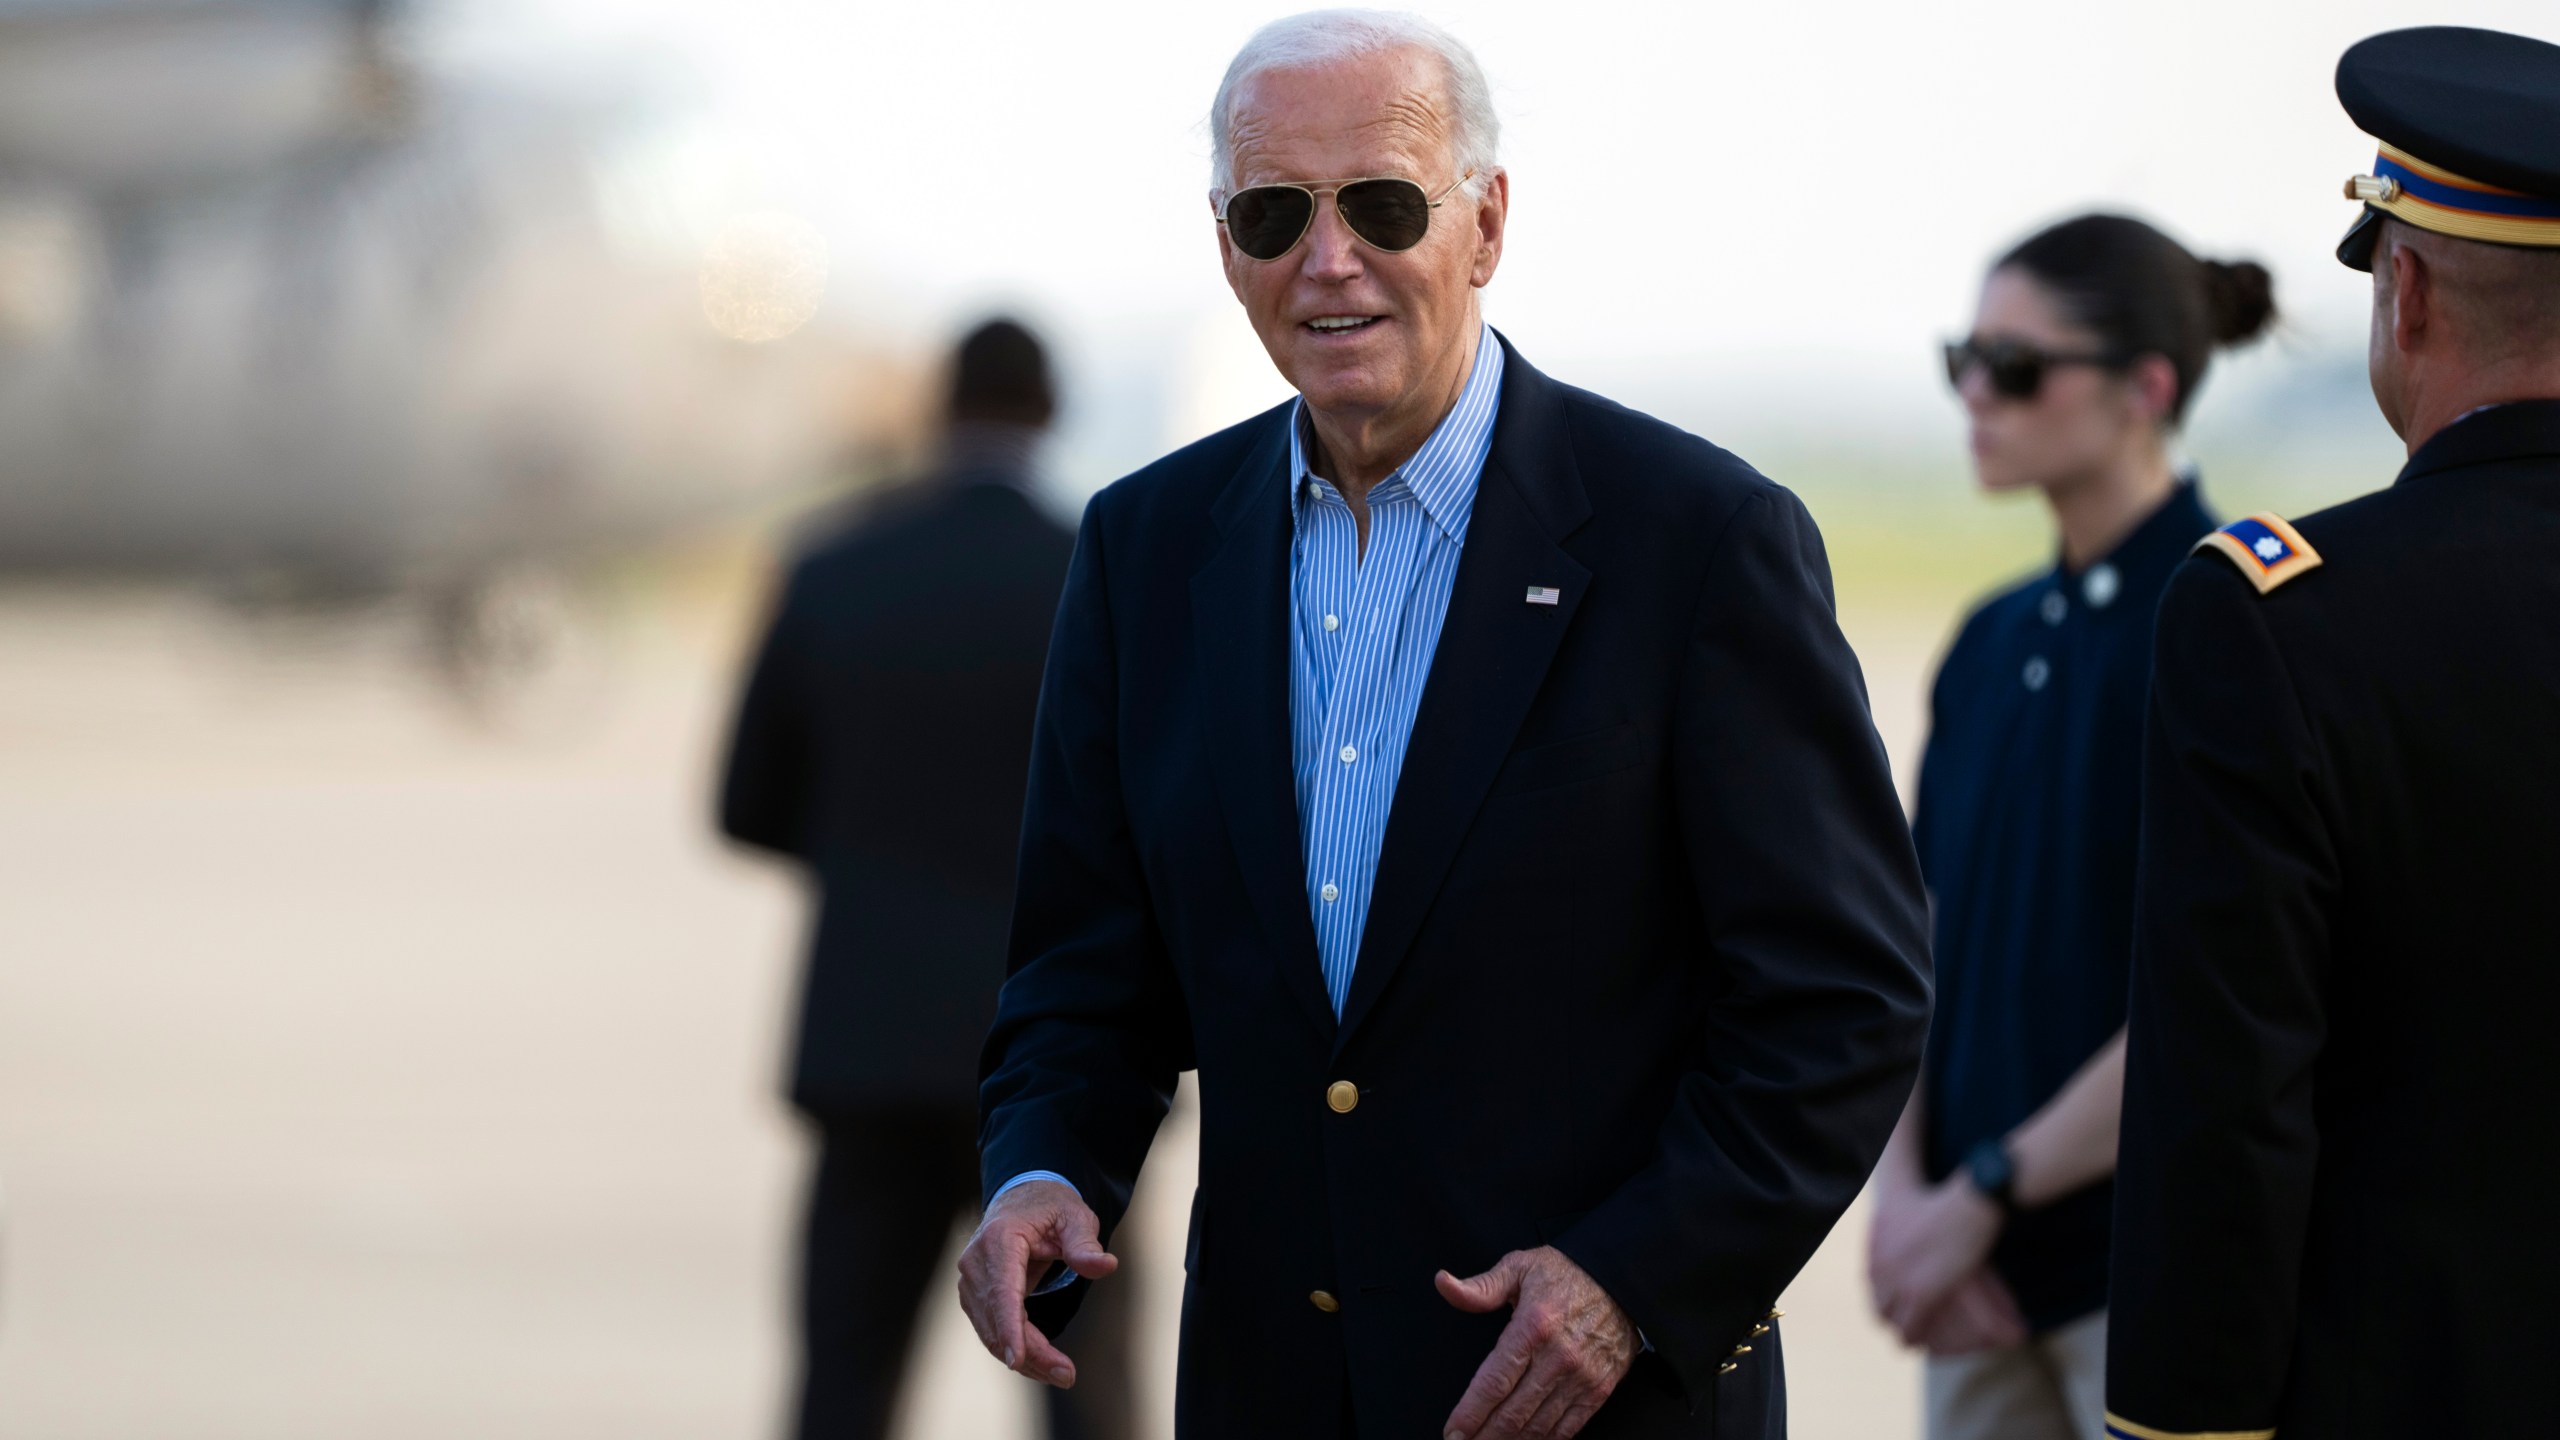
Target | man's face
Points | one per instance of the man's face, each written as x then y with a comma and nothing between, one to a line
1412,312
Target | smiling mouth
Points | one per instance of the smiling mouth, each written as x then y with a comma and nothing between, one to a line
1342,324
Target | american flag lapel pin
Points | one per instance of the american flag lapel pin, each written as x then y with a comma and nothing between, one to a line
1544,595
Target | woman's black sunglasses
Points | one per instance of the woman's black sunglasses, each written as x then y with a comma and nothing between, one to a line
2016,368
1267,221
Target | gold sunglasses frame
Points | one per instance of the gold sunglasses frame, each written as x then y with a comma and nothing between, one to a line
1315,198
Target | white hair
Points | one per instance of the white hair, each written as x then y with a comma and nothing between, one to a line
1325,37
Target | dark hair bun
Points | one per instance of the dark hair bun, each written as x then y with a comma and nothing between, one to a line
2241,297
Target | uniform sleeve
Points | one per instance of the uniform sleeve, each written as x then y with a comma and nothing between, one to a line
2231,945
764,788
1091,1033
1817,960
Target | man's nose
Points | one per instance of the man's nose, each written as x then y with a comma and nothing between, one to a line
1333,252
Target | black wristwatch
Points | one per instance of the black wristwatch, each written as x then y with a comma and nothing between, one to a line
1994,1174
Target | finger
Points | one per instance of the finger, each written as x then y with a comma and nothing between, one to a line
1023,1348
1003,1294
1568,1384
1996,1293
1579,1416
1482,1294
1492,1384
977,1292
1995,1318
1928,1292
1905,1316
1969,1322
1915,1320
1513,1417
972,1292
1081,1245
1947,1331
1043,1361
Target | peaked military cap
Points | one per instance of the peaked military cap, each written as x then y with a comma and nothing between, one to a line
2469,122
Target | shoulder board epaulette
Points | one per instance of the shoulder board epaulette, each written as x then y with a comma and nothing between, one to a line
2119,1428
2266,549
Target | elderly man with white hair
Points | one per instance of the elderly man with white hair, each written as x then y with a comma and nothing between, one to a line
1467,776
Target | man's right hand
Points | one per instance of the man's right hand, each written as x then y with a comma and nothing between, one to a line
1031,1227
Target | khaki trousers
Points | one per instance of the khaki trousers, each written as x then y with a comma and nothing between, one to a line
2054,1387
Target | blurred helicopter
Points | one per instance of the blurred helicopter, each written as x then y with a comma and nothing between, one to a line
284,313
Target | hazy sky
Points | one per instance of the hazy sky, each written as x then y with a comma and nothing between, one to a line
1782,202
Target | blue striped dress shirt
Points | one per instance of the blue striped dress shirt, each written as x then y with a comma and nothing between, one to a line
1363,630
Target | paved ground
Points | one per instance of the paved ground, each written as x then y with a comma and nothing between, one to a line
365,1075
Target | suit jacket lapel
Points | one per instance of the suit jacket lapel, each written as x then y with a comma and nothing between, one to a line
1492,658
1240,622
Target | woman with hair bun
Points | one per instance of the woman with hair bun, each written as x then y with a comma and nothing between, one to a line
1994,1200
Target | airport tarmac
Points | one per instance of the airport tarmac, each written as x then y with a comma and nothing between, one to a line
367,1074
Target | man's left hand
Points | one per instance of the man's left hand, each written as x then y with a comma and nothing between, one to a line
1567,1346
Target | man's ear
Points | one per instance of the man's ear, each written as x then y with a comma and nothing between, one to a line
1226,251
2412,297
1493,212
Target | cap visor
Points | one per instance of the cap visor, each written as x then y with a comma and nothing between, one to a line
2355,249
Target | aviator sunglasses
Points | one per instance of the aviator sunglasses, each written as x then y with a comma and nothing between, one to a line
1390,214
2016,368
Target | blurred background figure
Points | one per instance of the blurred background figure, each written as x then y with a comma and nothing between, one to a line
884,742
1993,1204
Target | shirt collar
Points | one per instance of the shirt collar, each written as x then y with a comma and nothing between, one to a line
2153,547
2512,431
989,451
1443,473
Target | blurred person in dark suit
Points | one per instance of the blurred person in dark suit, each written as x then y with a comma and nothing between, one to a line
883,742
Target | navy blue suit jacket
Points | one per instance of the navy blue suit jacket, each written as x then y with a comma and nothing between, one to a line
880,740
1645,976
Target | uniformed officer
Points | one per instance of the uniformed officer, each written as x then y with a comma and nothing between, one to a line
2342,1106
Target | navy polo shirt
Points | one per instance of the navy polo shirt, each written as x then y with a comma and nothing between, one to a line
2029,814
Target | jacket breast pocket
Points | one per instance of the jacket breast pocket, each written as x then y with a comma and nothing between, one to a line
1565,762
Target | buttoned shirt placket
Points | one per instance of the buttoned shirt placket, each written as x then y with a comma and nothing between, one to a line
1355,618
1362,637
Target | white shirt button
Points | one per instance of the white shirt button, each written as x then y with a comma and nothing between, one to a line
2053,607
1349,754
1333,622
1329,893
2038,672
2101,585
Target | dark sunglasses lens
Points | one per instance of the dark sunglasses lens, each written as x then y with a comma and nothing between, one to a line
2016,373
1390,214
1267,219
